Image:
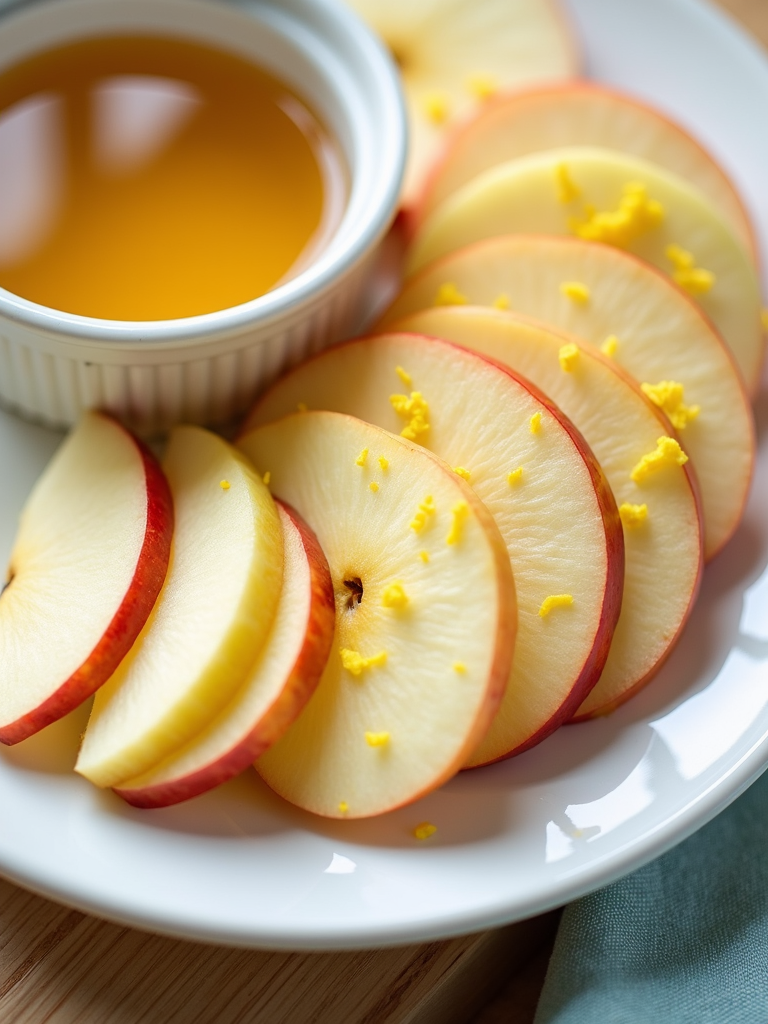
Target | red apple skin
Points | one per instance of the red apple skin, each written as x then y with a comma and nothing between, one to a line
299,687
415,214
129,619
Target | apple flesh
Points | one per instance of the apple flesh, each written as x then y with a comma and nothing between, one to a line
454,53
663,553
282,681
660,334
515,124
525,196
423,642
210,622
88,563
558,518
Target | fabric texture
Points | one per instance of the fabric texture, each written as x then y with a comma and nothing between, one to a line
684,940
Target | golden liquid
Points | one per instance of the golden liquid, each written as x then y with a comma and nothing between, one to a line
144,178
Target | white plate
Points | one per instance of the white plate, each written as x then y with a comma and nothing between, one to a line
591,803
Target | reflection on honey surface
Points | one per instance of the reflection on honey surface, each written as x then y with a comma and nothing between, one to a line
148,178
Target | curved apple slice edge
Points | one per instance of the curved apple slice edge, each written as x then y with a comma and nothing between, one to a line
128,620
306,567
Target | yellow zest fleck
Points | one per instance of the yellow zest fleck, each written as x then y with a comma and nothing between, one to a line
501,301
482,87
355,663
695,280
463,473
575,291
384,463
302,406
266,478
373,486
636,215
668,395
426,508
567,190
460,667
424,830
515,476
424,556
568,356
436,107
460,512
404,376
764,318
224,485
668,453
610,345
414,409
377,739
343,807
449,295
534,423
394,596
633,515
554,601
360,460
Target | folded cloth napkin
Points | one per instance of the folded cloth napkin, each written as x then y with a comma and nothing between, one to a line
683,940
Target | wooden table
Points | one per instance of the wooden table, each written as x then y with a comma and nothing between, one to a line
58,966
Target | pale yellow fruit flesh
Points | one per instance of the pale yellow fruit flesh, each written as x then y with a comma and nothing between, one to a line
80,537
551,519
440,659
264,683
211,619
582,114
454,52
663,553
659,335
523,196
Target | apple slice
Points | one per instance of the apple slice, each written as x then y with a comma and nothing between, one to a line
556,513
453,54
604,196
88,563
211,619
282,681
663,550
425,616
515,124
659,334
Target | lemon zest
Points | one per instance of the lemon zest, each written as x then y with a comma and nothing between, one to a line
424,556
449,295
460,667
384,463
266,478
610,346
437,107
343,807
404,376
373,486
377,739
534,424
554,601
568,356
668,396
426,508
576,292
501,302
482,87
415,410
633,515
460,513
515,476
355,663
424,830
224,485
667,453
465,474
695,280
360,460
636,215
394,596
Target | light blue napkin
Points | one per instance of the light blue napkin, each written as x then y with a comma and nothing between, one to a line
684,940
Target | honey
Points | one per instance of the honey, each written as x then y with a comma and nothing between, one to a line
149,178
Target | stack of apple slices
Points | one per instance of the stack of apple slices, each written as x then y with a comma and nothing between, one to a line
454,55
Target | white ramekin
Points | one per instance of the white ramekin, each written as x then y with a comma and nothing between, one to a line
206,369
